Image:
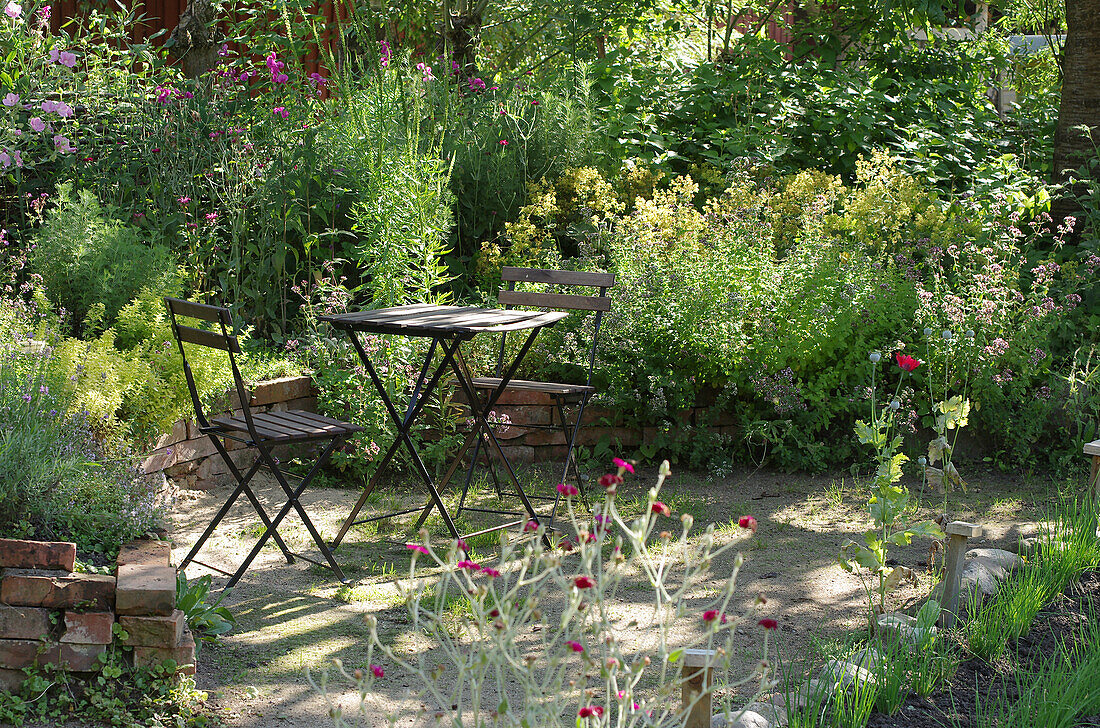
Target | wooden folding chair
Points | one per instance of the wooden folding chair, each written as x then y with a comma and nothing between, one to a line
261,431
565,396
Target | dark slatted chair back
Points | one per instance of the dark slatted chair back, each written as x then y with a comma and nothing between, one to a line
221,338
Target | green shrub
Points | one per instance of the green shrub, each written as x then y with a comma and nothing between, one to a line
93,265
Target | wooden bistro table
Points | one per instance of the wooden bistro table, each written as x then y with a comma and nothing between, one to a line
447,327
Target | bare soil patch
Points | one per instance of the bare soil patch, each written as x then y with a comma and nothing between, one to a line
297,617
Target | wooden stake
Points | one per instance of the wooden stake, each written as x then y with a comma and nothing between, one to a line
957,534
694,687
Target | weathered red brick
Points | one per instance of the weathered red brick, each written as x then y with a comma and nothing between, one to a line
183,654
145,551
56,589
17,654
11,680
284,389
24,623
82,658
145,589
153,631
539,438
88,628
18,554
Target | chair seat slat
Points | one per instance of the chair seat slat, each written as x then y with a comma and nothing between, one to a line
530,386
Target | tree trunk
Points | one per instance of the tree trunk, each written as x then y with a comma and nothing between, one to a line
195,40
1080,104
459,38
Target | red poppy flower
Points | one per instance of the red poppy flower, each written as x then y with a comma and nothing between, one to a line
907,362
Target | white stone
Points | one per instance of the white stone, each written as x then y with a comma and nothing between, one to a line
845,675
1005,559
868,658
776,715
902,625
746,719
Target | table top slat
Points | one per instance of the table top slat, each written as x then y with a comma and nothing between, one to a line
432,320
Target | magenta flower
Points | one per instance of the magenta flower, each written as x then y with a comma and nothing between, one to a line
377,671
531,525
768,623
164,94
183,200
503,142
661,508
416,547
469,565
584,582
493,573
566,489
318,79
747,522
462,545
575,646
280,111
594,711
37,124
212,216
12,10
623,464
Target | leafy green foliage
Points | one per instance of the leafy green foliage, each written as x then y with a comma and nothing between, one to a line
92,265
207,620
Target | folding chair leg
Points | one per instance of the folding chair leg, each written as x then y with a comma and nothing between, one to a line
350,520
242,487
570,458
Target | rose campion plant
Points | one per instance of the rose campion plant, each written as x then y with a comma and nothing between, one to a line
546,640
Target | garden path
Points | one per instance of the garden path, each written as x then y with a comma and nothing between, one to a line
293,617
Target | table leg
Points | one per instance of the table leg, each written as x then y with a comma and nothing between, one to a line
449,349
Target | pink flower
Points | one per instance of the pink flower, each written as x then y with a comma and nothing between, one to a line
566,489
583,582
164,94
462,545
63,110
318,79
622,464
470,565
503,142
280,78
68,60
609,481
531,526
54,54
492,573
768,623
212,216
907,362
155,150
183,200
575,646
590,711
710,615
747,522
12,10
661,508
37,124
377,671
11,100
61,144
5,159
280,111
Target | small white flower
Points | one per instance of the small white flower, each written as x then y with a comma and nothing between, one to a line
875,357
922,461
895,405
927,330
946,334
970,333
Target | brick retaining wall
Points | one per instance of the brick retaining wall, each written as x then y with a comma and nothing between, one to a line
51,615
191,461
189,458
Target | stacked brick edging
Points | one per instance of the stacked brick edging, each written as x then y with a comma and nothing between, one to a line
188,457
523,443
51,615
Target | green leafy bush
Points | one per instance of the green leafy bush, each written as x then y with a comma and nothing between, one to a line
93,265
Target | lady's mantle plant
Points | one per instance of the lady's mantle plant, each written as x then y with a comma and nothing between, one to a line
889,500
549,638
